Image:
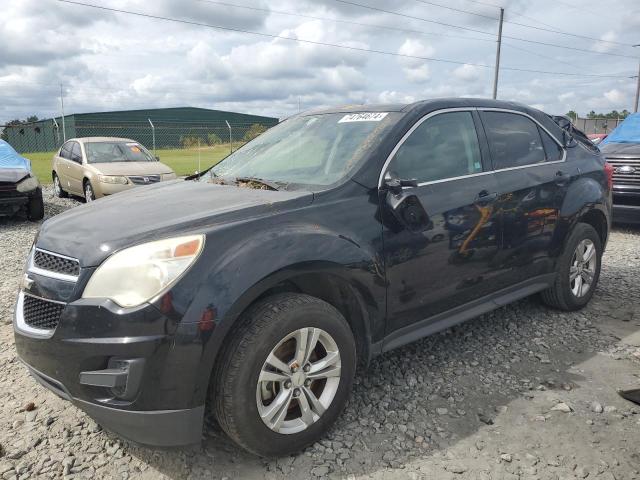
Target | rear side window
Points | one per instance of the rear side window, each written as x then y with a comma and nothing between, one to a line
443,146
514,140
552,150
76,154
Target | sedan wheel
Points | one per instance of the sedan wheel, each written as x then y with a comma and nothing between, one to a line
298,381
89,196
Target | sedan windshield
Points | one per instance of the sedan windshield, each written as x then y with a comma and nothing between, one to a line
105,152
316,150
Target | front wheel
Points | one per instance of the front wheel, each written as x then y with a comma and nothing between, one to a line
578,270
57,187
285,376
89,195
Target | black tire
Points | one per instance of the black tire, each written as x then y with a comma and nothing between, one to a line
89,193
560,295
235,379
57,186
35,207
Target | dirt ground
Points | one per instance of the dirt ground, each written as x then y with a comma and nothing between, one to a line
524,392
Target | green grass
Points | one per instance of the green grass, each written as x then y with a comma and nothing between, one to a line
183,161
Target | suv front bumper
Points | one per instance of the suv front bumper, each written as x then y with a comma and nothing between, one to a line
158,410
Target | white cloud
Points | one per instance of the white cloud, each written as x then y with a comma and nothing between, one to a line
604,46
467,73
416,70
615,96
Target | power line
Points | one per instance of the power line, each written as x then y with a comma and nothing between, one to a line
456,9
347,22
327,44
391,12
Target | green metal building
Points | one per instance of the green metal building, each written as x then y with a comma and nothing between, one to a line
159,128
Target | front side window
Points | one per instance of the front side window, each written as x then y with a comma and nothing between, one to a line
117,151
514,140
441,147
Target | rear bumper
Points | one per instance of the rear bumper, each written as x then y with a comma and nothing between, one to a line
163,428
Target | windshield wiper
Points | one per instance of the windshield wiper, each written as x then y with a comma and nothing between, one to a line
267,183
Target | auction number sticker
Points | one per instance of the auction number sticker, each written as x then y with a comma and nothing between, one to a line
363,117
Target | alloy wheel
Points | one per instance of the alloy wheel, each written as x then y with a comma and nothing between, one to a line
56,185
88,193
298,380
583,268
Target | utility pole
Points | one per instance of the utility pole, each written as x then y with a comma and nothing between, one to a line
495,77
638,85
64,130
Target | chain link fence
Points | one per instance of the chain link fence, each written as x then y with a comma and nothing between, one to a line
597,125
185,146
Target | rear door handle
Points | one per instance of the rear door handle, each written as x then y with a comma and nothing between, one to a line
484,197
562,178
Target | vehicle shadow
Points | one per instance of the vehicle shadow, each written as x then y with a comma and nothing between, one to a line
419,401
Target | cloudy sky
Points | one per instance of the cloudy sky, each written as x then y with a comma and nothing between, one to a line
111,61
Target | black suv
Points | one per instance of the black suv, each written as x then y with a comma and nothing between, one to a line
255,288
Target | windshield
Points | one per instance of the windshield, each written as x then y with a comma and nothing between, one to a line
309,150
105,152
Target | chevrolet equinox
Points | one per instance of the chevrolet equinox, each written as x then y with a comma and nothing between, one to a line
254,288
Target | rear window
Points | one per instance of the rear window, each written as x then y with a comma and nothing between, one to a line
106,152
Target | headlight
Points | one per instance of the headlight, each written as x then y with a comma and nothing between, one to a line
112,179
28,184
137,274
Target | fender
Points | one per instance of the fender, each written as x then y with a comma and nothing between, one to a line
270,257
584,195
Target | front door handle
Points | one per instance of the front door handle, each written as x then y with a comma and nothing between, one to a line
562,178
485,197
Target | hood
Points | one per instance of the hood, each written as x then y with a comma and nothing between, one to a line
93,231
12,160
12,175
621,150
131,168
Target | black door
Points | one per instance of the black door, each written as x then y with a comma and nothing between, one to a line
446,261
532,182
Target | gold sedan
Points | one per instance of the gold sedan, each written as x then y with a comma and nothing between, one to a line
93,167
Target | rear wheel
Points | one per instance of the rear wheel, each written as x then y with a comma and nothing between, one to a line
285,376
57,187
578,270
35,207
89,195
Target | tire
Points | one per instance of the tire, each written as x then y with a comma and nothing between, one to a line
562,294
35,207
237,394
57,187
89,194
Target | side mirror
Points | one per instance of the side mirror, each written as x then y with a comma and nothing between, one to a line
405,206
395,184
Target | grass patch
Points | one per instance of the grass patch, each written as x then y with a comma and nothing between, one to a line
183,161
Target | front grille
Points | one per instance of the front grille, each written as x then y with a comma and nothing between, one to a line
8,187
56,263
144,179
42,314
622,177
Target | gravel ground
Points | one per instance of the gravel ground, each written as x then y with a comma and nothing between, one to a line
524,392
